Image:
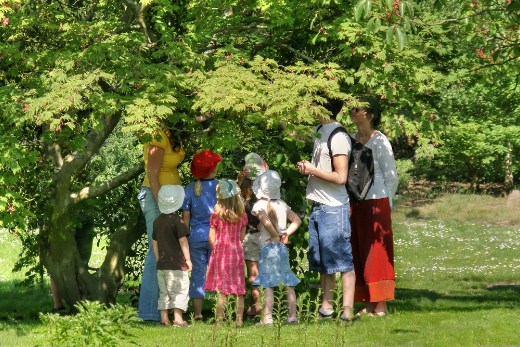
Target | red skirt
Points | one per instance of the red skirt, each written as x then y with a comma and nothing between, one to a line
372,250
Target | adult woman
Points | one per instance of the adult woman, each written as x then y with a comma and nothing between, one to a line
161,157
372,240
254,167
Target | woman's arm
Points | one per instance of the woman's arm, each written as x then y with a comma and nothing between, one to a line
183,242
155,158
385,157
211,237
266,222
186,217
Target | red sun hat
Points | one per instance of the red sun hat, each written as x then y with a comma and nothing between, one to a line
204,162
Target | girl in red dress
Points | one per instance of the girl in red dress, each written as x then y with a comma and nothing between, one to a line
226,233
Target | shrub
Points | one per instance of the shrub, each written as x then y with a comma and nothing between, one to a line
93,325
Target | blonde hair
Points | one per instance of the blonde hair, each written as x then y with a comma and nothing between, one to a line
198,187
273,217
230,209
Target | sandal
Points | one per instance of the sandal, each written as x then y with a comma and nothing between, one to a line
325,313
198,319
374,313
349,318
268,322
163,324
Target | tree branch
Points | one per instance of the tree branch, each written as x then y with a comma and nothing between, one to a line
260,44
52,150
93,192
494,64
457,19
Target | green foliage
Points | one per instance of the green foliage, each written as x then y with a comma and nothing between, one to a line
93,325
404,168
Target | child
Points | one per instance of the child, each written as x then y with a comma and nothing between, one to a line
197,209
170,246
226,233
274,256
254,167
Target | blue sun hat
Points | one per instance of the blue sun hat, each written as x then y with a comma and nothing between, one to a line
227,188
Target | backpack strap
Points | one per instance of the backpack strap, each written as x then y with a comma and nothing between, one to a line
339,129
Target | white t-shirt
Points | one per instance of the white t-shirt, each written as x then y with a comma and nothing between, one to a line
320,190
385,172
281,209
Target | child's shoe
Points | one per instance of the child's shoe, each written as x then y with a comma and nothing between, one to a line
267,322
292,320
176,324
325,313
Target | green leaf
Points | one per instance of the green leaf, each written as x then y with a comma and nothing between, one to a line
377,25
470,37
370,25
514,5
390,35
368,5
358,11
496,55
401,37
389,4
516,51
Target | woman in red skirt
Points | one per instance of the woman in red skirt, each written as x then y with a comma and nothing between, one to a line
372,240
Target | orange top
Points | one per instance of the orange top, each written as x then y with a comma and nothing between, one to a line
168,174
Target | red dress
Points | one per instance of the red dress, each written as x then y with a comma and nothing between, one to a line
226,263
373,250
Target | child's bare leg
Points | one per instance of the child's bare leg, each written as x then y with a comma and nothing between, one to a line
164,316
197,306
268,304
291,299
177,315
221,305
240,308
254,302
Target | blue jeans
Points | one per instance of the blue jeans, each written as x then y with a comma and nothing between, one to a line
149,293
199,254
330,250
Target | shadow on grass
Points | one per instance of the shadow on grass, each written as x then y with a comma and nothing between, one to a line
23,303
425,300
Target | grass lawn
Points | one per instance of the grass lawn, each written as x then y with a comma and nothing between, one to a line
458,284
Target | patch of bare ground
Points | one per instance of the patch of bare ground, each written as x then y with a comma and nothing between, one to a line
502,284
492,204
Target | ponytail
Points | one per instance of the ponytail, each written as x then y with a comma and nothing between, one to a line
198,187
271,213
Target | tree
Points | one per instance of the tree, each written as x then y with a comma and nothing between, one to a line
216,72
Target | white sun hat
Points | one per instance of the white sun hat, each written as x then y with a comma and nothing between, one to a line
267,185
227,188
171,198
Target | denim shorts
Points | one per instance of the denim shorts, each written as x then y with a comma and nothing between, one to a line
330,250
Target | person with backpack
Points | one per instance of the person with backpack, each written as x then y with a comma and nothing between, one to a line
372,239
329,224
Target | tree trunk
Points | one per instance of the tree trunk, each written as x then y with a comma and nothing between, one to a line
508,182
60,255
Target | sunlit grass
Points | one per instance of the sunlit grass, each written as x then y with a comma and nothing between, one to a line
458,284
